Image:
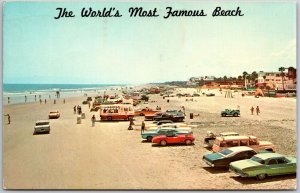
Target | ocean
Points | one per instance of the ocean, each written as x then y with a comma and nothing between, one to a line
18,93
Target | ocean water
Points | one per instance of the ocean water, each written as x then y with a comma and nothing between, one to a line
18,93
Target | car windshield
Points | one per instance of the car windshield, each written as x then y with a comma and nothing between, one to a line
257,159
225,152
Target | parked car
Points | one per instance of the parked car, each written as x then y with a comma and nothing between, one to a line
178,126
210,137
174,138
196,95
54,115
230,112
263,165
145,111
42,127
85,102
162,131
175,117
221,143
151,116
210,94
224,157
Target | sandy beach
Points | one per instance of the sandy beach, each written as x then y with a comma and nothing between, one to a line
108,156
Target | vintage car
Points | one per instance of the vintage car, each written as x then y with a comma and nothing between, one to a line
175,117
230,112
224,157
210,94
151,116
42,127
263,165
162,131
221,143
54,115
210,137
174,138
145,111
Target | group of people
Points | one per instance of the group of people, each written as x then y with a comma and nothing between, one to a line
257,110
131,123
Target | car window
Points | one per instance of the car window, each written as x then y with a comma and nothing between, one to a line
257,159
243,142
225,152
272,162
253,142
282,161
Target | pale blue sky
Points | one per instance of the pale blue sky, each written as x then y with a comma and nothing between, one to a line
41,49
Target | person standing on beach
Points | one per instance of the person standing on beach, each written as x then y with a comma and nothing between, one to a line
130,124
93,120
252,110
64,101
40,101
143,127
74,108
257,110
8,100
34,97
89,105
25,98
54,101
45,101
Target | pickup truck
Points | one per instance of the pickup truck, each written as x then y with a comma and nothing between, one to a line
42,127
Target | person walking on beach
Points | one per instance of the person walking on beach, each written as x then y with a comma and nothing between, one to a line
8,118
25,98
45,101
8,100
257,110
252,110
93,120
54,102
89,105
34,97
143,127
40,101
130,124
64,101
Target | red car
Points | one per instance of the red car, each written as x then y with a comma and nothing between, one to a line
172,138
151,116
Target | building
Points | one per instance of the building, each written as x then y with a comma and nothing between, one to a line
281,81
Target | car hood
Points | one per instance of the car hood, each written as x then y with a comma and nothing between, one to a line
149,133
265,143
243,164
213,156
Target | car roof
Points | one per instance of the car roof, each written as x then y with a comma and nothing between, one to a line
240,148
229,133
225,138
266,156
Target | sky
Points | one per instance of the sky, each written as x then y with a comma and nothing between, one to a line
133,50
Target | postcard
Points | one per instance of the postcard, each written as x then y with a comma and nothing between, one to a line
149,95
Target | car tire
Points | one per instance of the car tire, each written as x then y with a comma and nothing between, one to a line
235,114
223,115
149,138
109,118
261,176
163,143
188,142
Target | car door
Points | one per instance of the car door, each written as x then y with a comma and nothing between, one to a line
272,167
172,137
284,166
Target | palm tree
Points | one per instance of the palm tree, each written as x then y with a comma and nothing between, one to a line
282,69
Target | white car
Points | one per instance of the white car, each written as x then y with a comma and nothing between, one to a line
42,127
